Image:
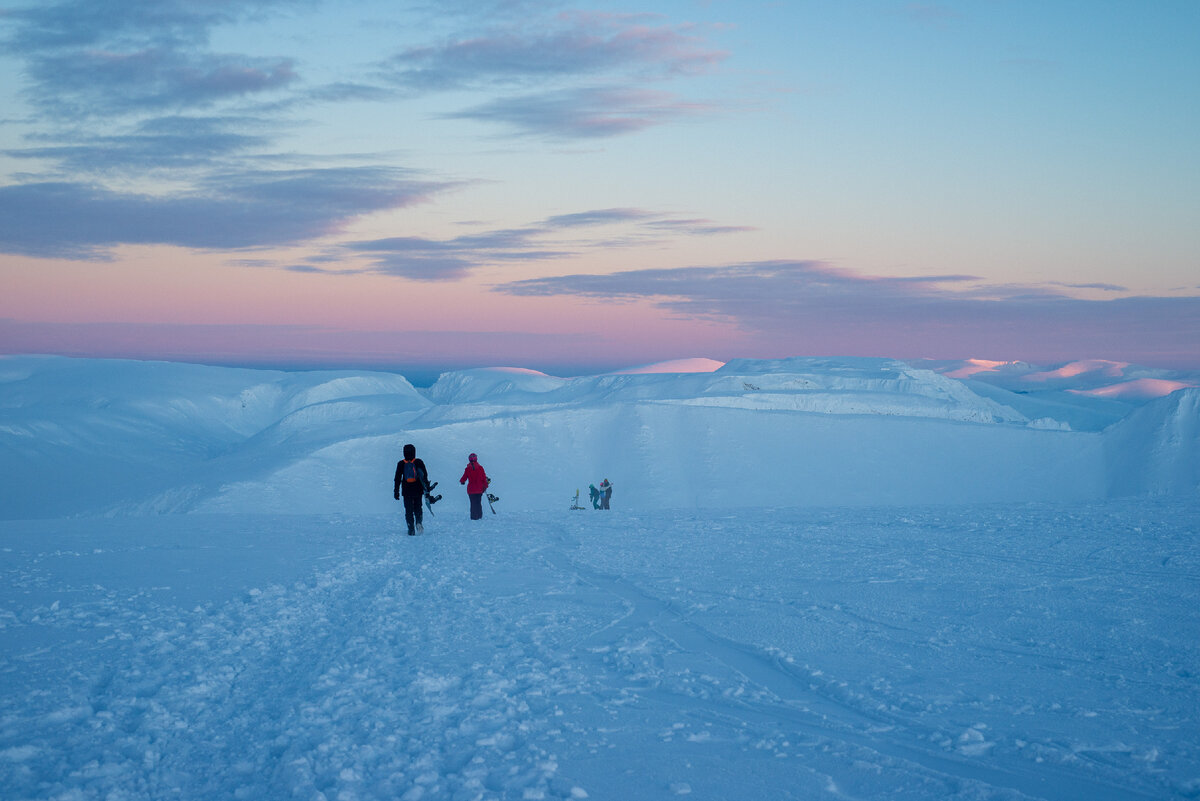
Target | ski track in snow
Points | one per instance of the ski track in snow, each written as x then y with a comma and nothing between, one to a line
967,653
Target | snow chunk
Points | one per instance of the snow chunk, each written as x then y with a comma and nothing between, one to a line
972,742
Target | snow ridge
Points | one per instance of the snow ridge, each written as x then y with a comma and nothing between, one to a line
113,437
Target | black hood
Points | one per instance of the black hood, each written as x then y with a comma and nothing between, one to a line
410,451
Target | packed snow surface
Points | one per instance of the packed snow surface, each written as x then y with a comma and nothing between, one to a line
820,579
968,652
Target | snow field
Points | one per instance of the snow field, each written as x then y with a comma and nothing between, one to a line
984,652
204,591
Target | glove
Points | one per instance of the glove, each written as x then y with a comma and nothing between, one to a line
462,482
397,496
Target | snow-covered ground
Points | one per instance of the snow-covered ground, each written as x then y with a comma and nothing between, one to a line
1008,652
820,579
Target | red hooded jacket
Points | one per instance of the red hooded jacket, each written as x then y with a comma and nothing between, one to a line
475,479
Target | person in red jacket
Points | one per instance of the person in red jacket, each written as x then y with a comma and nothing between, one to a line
477,482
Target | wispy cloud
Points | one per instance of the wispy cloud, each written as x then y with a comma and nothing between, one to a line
573,77
120,90
84,23
105,83
129,93
1101,286
654,221
106,58
930,13
697,227
555,237
446,260
159,142
242,210
584,113
599,217
577,44
810,307
708,291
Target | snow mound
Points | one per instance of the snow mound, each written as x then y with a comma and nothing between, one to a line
1084,375
695,365
1087,395
857,386
1156,450
817,386
1137,389
973,367
343,386
1095,367
82,435
492,383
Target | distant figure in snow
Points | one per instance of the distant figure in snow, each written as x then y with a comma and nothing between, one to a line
411,480
595,496
605,493
477,482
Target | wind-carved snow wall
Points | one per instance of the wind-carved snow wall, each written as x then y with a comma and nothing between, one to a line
88,437
800,432
804,431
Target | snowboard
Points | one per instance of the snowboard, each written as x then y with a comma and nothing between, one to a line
430,498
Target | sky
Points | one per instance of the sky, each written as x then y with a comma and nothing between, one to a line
577,187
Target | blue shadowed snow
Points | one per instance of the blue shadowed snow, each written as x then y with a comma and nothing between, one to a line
1028,651
821,579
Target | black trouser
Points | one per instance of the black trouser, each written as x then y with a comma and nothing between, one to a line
412,511
476,505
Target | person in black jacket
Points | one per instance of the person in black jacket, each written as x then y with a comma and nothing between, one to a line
605,493
411,480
